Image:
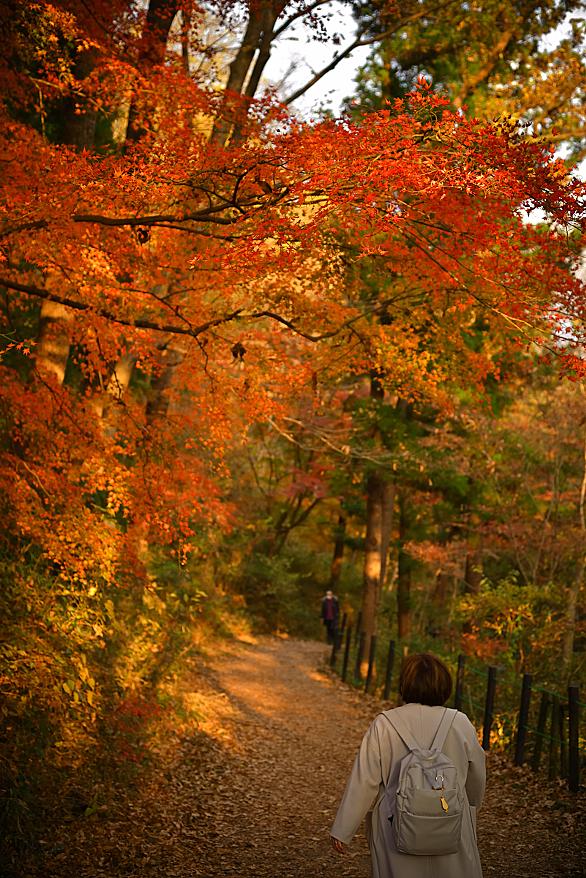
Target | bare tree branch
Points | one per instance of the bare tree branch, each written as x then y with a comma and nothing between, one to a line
329,67
76,305
305,10
362,40
189,329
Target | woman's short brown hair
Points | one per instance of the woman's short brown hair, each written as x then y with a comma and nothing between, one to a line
424,679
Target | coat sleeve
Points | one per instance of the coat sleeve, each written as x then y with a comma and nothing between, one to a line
362,787
476,777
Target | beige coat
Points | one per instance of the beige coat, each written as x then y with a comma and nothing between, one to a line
380,753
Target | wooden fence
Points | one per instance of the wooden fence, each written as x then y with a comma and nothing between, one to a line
545,722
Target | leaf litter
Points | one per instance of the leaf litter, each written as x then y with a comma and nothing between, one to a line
246,784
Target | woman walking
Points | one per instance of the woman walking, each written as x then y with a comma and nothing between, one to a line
425,685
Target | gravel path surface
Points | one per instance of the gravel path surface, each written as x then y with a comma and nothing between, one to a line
252,793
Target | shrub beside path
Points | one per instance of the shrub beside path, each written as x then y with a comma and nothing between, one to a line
252,793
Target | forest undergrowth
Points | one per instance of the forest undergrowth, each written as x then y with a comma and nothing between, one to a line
241,773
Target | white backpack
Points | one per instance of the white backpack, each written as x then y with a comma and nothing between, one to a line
425,804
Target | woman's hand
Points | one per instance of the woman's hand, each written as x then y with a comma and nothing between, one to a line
338,845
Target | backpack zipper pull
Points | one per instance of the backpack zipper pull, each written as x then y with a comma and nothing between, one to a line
444,803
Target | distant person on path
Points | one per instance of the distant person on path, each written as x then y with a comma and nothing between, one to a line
330,610
425,685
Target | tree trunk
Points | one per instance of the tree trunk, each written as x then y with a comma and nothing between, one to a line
52,348
473,572
403,575
158,405
238,71
436,614
373,543
388,503
473,80
246,70
440,592
336,568
372,563
78,127
578,583
151,53
115,389
269,17
79,122
573,594
185,29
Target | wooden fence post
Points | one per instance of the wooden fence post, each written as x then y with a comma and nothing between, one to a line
523,720
573,725
540,731
371,655
346,653
488,707
459,693
562,750
389,671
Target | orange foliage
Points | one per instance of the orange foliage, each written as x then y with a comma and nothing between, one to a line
231,258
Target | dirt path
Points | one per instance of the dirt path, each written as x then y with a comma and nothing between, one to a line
253,793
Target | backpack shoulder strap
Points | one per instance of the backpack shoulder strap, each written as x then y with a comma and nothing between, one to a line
401,729
443,728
